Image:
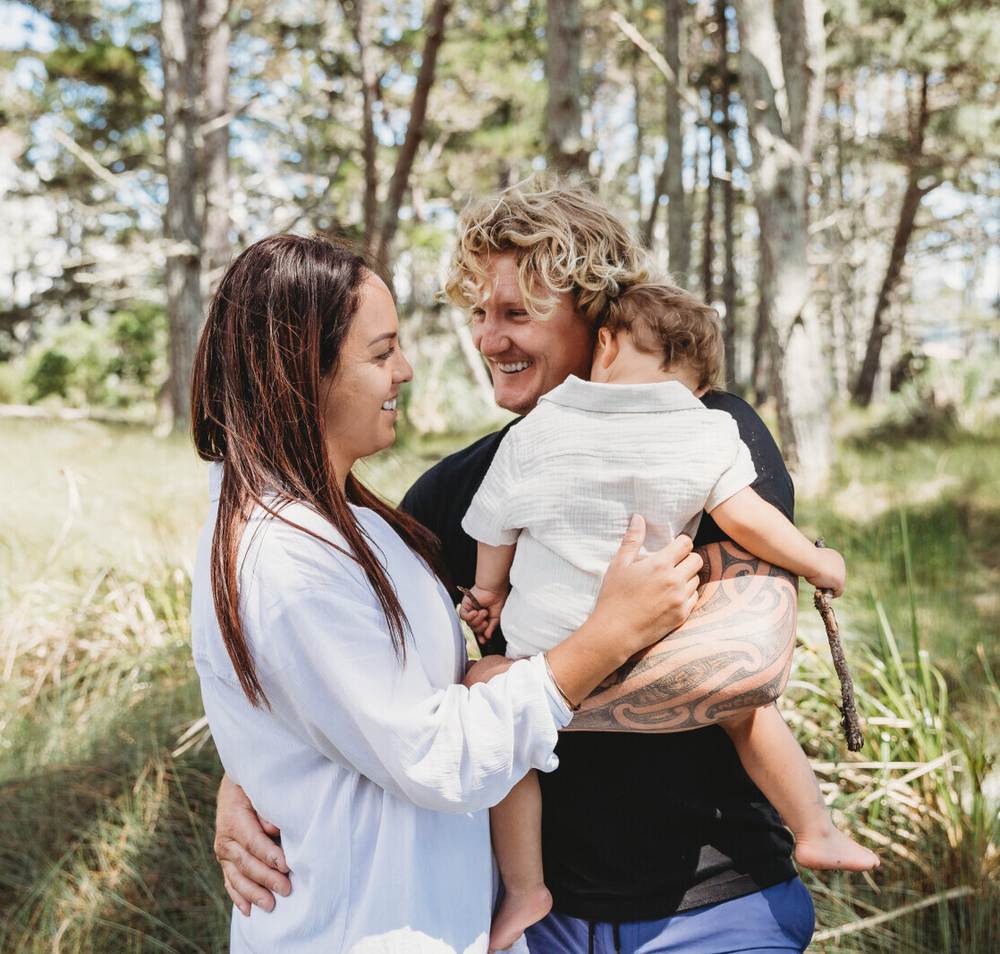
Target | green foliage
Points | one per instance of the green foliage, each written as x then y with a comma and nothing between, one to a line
115,363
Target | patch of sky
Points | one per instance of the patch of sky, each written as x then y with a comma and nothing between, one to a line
391,32
405,84
22,28
29,74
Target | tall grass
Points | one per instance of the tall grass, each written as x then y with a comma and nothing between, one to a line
107,784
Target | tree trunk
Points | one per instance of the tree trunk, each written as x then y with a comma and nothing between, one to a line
864,387
414,128
708,241
729,278
215,33
179,54
564,109
728,207
359,19
678,228
783,86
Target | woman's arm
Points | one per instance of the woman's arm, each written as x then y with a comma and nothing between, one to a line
732,655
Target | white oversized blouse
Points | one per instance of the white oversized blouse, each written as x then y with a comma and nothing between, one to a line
377,771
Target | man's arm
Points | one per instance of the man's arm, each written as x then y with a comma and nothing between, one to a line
253,865
731,656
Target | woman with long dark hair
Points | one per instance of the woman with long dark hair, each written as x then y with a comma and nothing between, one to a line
327,645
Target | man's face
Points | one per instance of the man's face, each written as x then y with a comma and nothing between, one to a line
528,356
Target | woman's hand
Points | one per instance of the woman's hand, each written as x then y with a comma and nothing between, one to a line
253,866
644,599
640,601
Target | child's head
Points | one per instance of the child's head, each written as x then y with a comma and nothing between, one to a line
662,332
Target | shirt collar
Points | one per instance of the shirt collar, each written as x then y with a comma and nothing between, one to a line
593,396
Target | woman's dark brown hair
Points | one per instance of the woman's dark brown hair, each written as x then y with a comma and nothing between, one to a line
275,329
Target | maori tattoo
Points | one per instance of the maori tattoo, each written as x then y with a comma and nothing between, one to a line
731,655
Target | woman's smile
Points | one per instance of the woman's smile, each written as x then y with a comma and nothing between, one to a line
360,417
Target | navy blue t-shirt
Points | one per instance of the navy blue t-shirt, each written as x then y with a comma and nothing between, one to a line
636,826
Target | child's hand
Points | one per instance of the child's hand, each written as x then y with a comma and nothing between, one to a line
483,618
831,573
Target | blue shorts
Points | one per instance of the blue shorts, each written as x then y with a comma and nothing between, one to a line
776,919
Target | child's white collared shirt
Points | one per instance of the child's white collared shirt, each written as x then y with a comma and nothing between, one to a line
378,772
566,480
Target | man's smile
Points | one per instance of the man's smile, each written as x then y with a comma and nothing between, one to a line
509,367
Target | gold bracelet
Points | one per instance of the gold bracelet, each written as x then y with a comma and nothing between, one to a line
559,689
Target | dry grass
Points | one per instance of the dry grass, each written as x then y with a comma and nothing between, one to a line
109,805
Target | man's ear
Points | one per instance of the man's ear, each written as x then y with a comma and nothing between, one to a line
607,348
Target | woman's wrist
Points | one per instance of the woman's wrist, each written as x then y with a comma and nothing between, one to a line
583,660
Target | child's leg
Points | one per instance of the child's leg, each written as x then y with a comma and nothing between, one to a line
516,829
773,759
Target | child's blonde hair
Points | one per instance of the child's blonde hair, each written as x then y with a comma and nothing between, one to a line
662,318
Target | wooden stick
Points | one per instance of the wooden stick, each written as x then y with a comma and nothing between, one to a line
476,605
823,601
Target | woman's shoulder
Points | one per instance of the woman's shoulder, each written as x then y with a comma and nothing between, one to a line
288,545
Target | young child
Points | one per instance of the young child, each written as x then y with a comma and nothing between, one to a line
553,507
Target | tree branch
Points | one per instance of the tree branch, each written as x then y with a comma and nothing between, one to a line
656,58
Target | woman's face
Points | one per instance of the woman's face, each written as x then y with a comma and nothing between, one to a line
361,392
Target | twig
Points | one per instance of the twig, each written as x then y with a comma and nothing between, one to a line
656,58
823,600
476,605
865,923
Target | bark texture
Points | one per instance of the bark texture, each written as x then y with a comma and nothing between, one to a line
359,16
678,228
782,72
180,58
864,387
564,108
415,127
215,37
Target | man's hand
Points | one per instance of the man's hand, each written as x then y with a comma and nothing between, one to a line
253,866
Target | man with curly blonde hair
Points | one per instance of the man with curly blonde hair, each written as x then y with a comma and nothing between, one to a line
654,838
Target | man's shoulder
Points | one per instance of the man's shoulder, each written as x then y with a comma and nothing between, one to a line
455,473
733,405
773,482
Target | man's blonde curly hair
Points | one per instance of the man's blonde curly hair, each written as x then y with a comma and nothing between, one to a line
564,239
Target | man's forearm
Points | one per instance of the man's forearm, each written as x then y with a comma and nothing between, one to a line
731,656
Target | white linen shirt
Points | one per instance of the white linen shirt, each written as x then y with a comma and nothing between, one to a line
566,480
377,771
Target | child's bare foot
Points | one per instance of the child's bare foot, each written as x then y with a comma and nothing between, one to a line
518,910
833,849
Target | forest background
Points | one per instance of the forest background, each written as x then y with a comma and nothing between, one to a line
824,173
